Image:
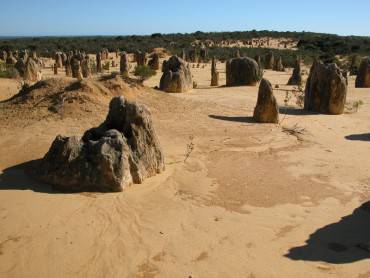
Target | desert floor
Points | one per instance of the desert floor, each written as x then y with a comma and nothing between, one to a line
237,199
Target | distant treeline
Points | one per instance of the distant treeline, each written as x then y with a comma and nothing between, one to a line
311,45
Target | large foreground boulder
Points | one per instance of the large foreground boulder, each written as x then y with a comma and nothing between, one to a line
267,109
326,89
176,76
363,74
122,150
242,71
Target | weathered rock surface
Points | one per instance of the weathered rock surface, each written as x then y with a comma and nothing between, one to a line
214,74
192,56
29,70
278,65
176,76
122,150
269,61
99,67
242,71
296,78
59,59
10,59
124,63
85,67
76,67
326,89
203,53
68,68
363,74
140,58
267,109
154,62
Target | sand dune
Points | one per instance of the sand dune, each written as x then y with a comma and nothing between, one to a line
237,199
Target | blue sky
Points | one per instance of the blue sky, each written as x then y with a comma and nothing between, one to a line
114,17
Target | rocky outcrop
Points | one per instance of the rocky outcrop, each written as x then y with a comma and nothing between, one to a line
140,58
176,76
154,62
55,68
363,74
122,150
76,67
29,70
58,59
85,67
99,67
124,63
214,73
10,59
68,68
296,78
192,56
326,89
242,71
278,65
257,58
269,61
267,109
203,53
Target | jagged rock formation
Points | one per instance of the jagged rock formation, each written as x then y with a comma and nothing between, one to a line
122,150
10,59
29,70
58,59
267,109
326,89
363,74
176,76
154,62
296,78
140,58
242,71
278,65
76,67
55,68
353,68
99,67
68,68
192,56
203,53
269,61
257,58
86,67
124,63
214,73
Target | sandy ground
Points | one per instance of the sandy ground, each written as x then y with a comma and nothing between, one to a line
237,199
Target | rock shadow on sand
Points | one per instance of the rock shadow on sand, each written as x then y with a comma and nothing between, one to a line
359,137
293,111
19,178
344,242
233,119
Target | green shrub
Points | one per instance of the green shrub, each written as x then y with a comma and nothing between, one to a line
8,72
144,72
106,66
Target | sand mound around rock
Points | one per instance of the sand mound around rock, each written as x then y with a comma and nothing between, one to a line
64,97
